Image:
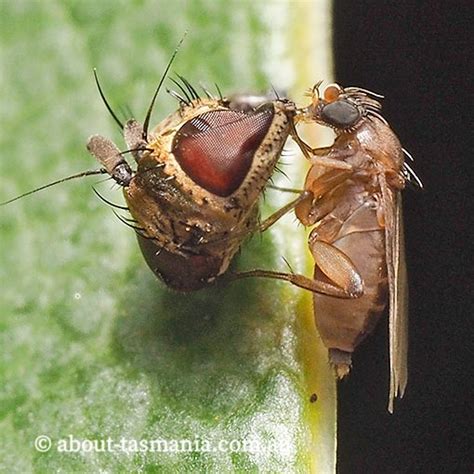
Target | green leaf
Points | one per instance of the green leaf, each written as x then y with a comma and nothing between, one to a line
93,346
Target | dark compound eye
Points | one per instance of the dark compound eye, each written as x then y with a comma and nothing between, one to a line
340,114
216,148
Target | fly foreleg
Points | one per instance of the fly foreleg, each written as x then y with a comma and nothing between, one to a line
322,156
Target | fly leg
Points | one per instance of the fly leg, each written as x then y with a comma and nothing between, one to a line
303,204
265,224
278,214
323,156
285,190
342,277
336,266
354,288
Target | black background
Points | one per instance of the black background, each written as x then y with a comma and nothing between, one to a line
417,55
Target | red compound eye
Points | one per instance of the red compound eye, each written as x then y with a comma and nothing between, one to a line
216,149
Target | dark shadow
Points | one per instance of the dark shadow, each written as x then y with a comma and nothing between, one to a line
202,350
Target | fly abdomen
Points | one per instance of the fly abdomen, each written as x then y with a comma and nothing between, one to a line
344,323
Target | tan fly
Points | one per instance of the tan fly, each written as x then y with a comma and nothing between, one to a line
353,203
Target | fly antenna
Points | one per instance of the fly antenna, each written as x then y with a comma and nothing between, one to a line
102,95
83,174
163,77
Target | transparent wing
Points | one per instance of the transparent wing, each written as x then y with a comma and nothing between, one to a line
398,310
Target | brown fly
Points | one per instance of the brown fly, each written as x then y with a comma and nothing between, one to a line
352,200
353,204
198,178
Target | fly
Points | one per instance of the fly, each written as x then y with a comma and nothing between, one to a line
352,201
353,205
198,178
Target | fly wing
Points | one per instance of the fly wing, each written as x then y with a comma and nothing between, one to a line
398,292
